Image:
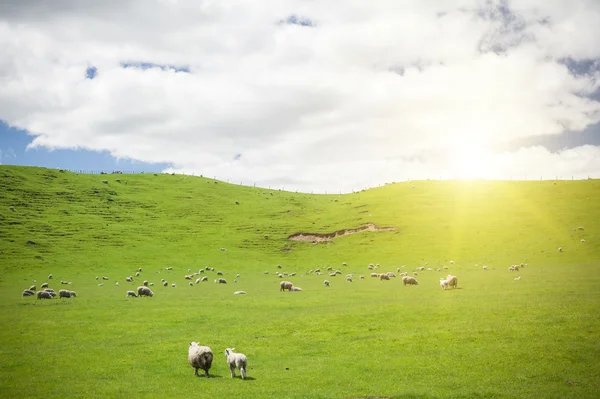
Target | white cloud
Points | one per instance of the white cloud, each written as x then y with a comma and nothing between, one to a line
371,94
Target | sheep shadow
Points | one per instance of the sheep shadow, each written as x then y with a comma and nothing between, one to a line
209,377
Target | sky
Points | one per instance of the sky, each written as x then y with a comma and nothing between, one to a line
304,95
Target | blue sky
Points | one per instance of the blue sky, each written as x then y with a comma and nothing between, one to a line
13,151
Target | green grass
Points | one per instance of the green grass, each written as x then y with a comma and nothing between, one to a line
493,337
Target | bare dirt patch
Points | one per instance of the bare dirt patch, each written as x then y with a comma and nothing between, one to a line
317,237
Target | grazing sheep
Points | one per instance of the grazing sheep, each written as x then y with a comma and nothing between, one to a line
582,240
140,269
200,357
145,283
348,279
219,273
191,284
205,278
332,274
292,274
237,275
318,270
223,249
266,272
142,290
451,262
374,275
64,294
45,285
236,360
383,277
344,264
409,280
445,267
73,294
279,266
173,285
517,278
130,293
201,271
370,267
326,282
198,280
165,283
137,274
560,249
32,288
117,283
484,267
49,290
44,295
101,285
390,274
285,285
221,281
403,274
580,228
362,277
452,281
415,274
239,293
443,283
28,293
420,268
104,278
187,277
295,289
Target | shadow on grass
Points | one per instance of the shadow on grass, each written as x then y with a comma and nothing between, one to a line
210,377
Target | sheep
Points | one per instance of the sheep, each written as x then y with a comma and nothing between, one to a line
236,360
445,267
43,295
285,285
50,290
582,240
374,275
50,277
104,278
517,278
239,293
383,277
409,280
130,293
403,274
117,283
560,249
332,274
415,274
223,249
173,285
137,274
348,279
443,283
484,267
145,283
295,289
32,288
279,266
451,262
200,357
64,294
140,269
205,278
266,272
370,267
45,285
198,280
219,273
237,275
28,293
344,264
130,279
580,228
390,274
191,284
201,271
165,283
326,283
187,277
452,281
362,277
292,274
318,270
142,290
101,285
420,268
73,294
221,281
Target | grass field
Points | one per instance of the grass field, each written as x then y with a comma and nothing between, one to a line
493,337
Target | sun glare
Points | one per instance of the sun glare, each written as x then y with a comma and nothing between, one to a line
471,159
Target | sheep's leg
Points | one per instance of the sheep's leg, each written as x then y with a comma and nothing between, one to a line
195,371
243,373
206,372
232,369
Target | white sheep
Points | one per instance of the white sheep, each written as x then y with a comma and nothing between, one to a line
582,240
45,285
64,294
200,357
560,249
205,278
443,283
28,293
50,277
451,262
409,280
173,285
44,295
326,282
348,279
362,277
239,293
117,283
32,288
295,289
221,281
484,267
142,290
236,360
130,293
580,228
517,278
285,285
452,281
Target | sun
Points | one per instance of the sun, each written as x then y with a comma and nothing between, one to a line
471,159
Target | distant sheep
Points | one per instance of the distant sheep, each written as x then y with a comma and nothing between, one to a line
383,277
198,280
145,283
205,278
50,277
44,295
28,293
221,281
484,267
137,274
362,277
64,294
239,293
45,285
236,360
130,293
445,267
165,283
219,273
517,278
140,269
374,274
32,288
173,285
348,279
200,357
104,278
451,262
420,268
295,289
130,279
142,290
560,249
326,282
452,281
580,228
285,285
188,277
407,280
582,240
390,274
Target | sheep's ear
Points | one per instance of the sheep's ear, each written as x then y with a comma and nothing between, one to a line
232,349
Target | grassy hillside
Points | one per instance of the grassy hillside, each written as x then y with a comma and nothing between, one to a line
492,337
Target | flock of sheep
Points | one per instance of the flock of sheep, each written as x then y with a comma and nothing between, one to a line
48,293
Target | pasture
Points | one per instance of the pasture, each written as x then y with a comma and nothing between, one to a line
492,337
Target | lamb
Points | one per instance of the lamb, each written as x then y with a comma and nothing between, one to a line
560,249
64,294
130,293
173,285
452,281
409,280
443,283
43,295
200,357
142,290
582,240
326,282
28,293
236,360
285,285
239,293
295,289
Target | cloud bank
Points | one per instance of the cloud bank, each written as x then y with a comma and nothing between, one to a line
305,95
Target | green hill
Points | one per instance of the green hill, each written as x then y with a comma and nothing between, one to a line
494,336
